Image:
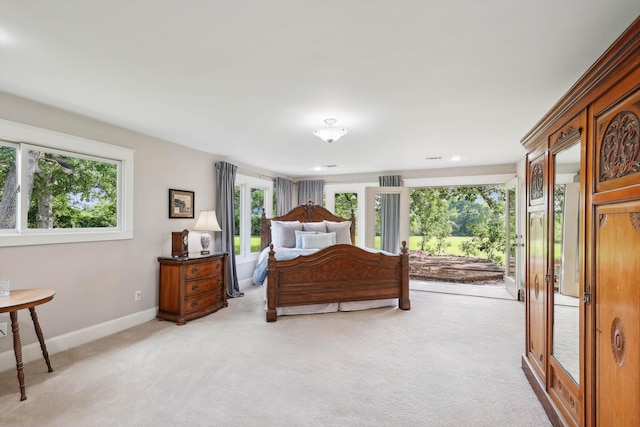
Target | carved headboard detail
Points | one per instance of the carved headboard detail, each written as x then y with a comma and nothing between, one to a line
309,212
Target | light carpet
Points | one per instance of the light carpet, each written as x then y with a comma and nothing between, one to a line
450,361
493,290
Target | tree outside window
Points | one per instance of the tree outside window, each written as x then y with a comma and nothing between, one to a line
63,190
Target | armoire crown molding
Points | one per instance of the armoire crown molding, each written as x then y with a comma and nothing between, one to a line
616,63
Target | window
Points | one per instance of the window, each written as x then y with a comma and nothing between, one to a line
57,188
274,204
341,198
252,195
346,205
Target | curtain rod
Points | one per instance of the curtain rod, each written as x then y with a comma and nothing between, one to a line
249,173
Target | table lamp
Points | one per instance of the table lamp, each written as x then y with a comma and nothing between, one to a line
207,221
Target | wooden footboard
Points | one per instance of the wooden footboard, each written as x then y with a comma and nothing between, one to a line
338,273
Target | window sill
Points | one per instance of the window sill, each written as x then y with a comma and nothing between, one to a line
253,258
64,237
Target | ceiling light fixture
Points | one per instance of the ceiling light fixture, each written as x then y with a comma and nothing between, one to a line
330,133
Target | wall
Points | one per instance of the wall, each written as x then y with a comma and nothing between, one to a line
95,282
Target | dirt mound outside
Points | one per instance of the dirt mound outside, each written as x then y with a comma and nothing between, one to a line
453,269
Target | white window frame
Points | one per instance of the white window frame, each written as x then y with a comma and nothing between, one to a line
245,183
30,137
330,191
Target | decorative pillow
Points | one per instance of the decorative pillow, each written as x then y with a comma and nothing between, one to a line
342,230
318,240
283,233
320,227
299,235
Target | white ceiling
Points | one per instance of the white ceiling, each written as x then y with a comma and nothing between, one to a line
250,80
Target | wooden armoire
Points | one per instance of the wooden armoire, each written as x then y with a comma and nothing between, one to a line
582,350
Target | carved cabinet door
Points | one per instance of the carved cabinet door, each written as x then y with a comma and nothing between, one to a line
616,256
536,291
617,315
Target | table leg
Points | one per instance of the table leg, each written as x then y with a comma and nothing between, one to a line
17,349
43,346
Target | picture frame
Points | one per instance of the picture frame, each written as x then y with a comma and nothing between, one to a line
181,203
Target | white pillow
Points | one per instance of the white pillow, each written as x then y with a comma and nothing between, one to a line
320,227
299,235
283,233
318,240
342,230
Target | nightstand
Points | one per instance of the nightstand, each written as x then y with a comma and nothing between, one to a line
191,287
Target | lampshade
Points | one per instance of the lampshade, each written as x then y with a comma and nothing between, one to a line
330,133
207,221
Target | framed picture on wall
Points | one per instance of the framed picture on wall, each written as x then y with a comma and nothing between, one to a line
181,203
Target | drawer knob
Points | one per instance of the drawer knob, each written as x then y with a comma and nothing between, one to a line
194,304
195,287
219,280
194,270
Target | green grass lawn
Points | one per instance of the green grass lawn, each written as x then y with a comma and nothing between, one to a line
452,249
255,244
414,245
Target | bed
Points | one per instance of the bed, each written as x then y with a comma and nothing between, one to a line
328,274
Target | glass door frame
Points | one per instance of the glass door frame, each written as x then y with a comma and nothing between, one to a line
514,239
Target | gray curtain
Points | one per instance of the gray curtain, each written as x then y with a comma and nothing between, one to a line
390,214
283,196
311,190
226,181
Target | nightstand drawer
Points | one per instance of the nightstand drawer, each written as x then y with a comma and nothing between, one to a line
195,287
202,301
195,271
203,269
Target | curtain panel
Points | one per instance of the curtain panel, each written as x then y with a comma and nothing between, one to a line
226,183
284,200
390,215
311,190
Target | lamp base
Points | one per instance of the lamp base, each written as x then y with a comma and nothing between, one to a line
205,241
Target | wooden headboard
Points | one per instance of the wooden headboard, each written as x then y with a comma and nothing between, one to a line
302,213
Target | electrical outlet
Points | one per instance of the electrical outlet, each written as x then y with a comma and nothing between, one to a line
137,296
3,329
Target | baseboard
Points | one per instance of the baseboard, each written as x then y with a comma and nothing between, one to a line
545,400
246,283
64,342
